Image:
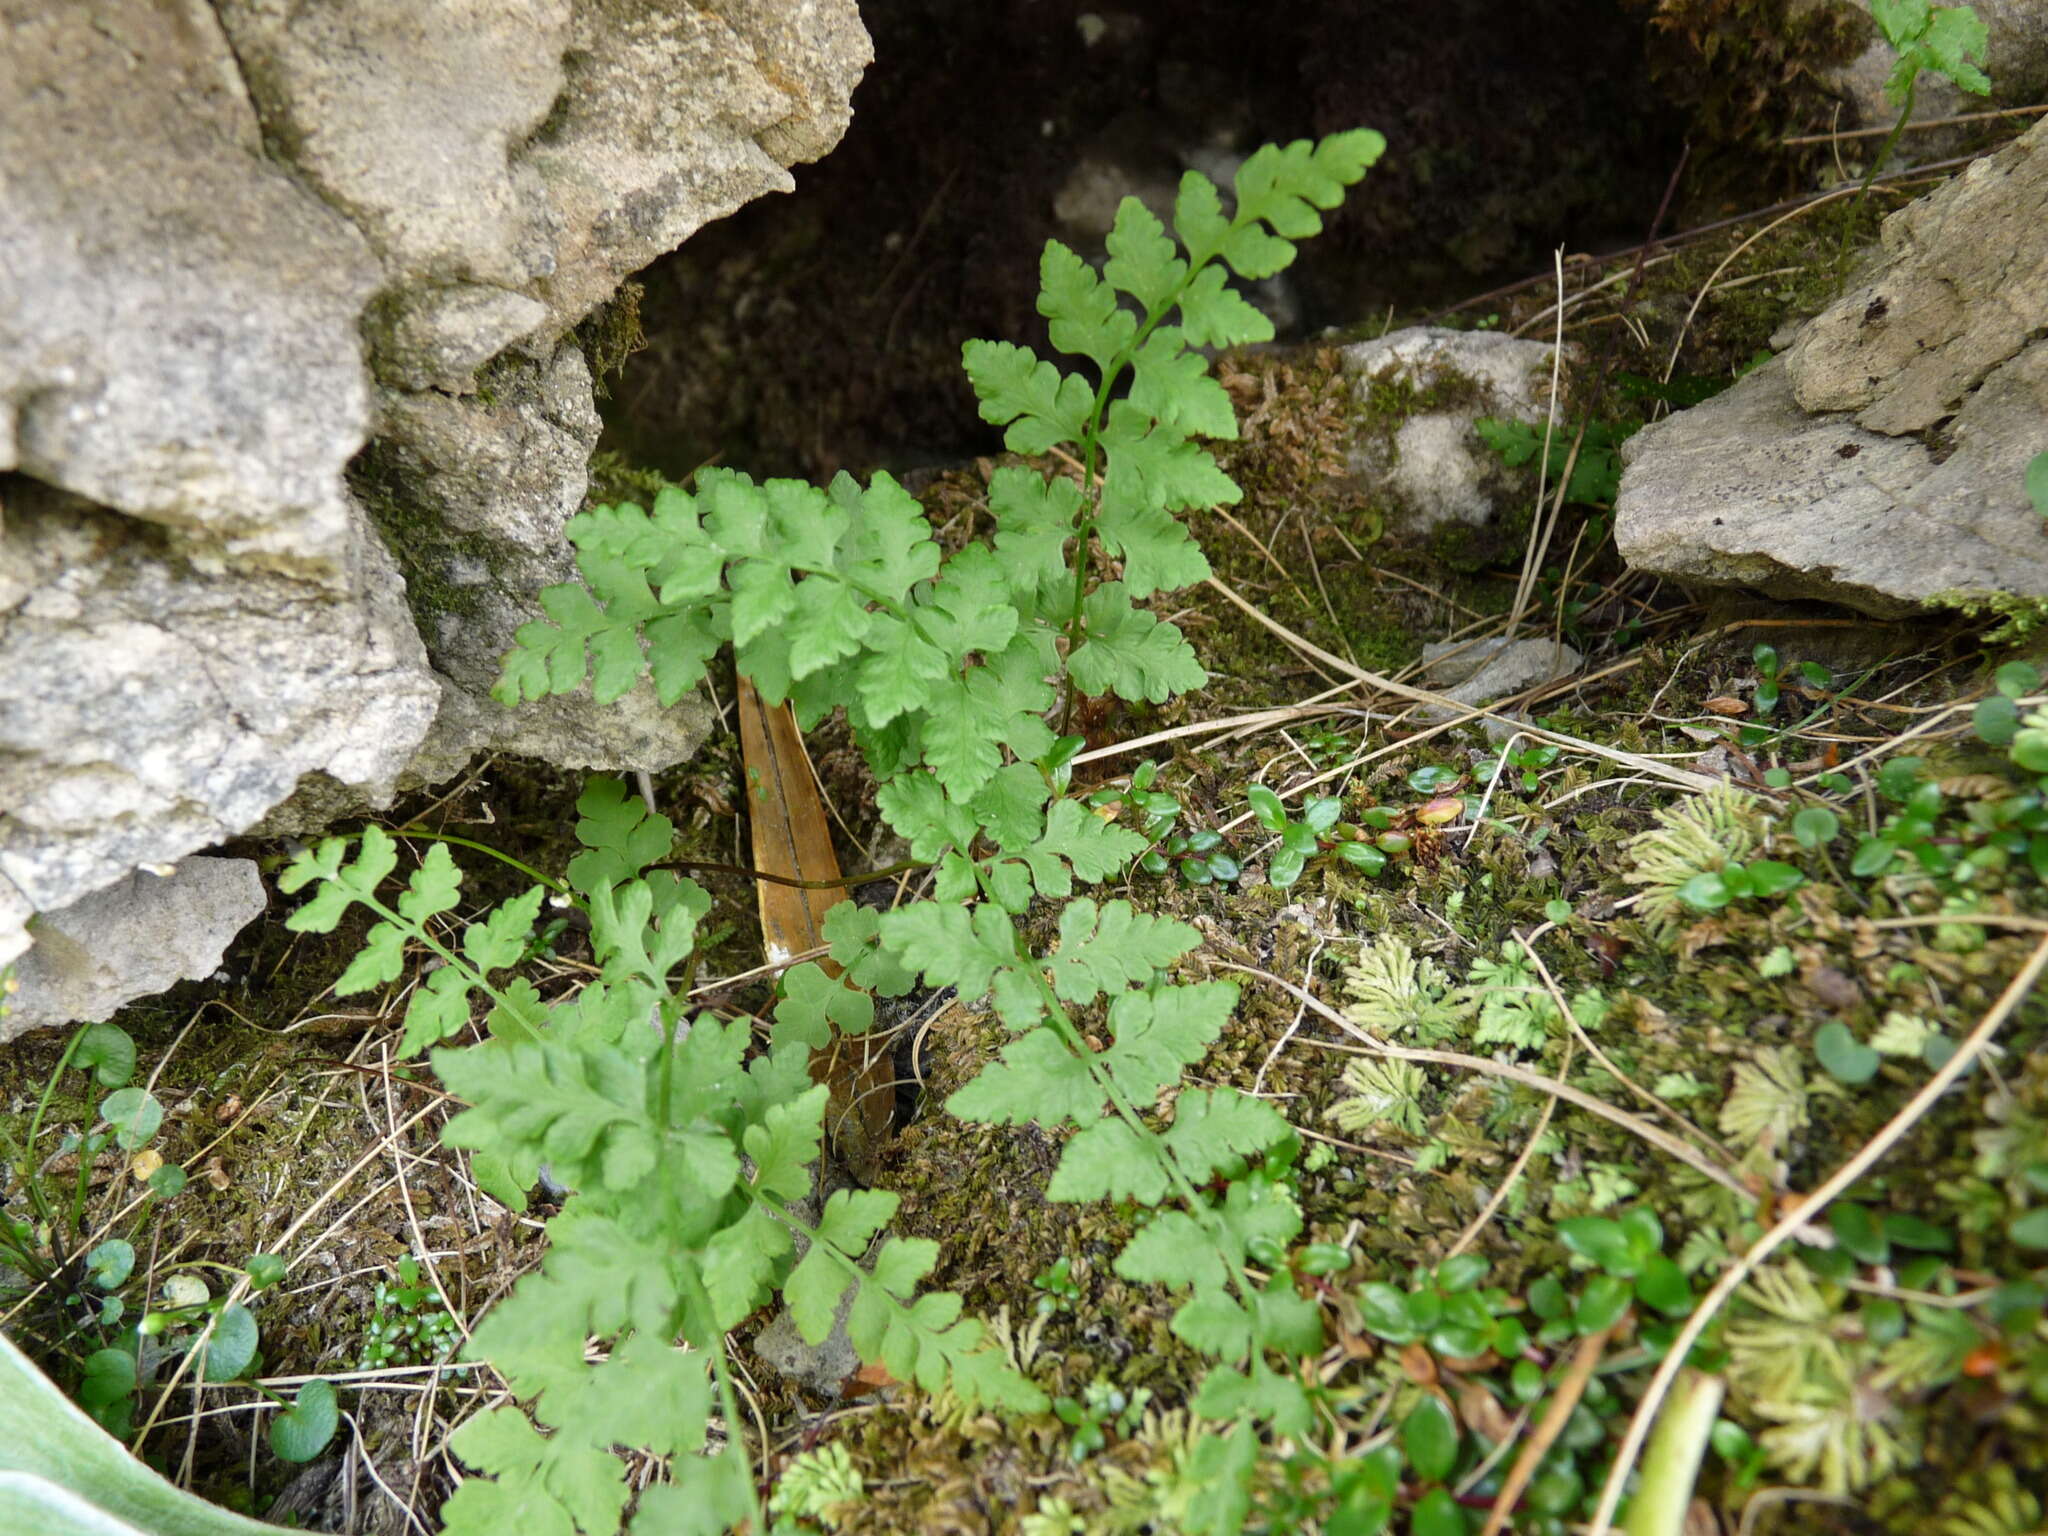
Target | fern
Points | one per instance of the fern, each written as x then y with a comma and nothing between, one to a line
687,1151
1718,827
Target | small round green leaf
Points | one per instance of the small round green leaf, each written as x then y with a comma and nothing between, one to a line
1599,1241
107,1052
1847,1059
111,1263
1815,826
1706,892
1362,856
1285,867
167,1181
2017,679
1874,855
264,1270
135,1114
1385,1312
1431,778
1429,1437
1437,1513
233,1344
1996,720
109,1376
1461,1273
302,1431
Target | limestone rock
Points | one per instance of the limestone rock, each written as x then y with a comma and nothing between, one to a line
1880,462
1419,390
209,210
178,318
1960,288
137,936
151,707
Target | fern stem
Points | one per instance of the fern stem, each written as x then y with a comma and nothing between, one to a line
559,887
841,882
1884,153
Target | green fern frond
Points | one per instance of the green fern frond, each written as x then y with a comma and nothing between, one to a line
818,1484
1383,1093
1720,826
1767,1101
1394,993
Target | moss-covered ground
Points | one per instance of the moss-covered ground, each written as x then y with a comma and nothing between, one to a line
1897,1385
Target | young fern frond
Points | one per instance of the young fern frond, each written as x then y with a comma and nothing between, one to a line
685,1156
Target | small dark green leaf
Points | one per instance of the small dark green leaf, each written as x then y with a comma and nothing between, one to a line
302,1431
1437,1513
1847,1059
1362,856
1857,1231
1663,1286
1900,777
1644,1232
1432,778
1547,1298
167,1181
1429,1437
1385,1311
1601,1304
1874,855
1911,1232
109,1376
1266,806
1599,1241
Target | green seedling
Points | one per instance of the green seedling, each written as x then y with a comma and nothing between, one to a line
408,1322
1056,1288
1760,879
1101,1410
1197,855
1945,40
1521,765
1595,471
1768,677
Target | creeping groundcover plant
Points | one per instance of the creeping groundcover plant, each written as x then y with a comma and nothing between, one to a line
689,1146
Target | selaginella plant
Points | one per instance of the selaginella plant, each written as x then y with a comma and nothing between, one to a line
688,1152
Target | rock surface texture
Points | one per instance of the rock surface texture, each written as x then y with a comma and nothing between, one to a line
289,384
141,934
1880,461
1420,390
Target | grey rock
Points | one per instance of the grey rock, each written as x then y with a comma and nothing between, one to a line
674,116
1479,673
2016,60
483,489
1960,288
820,1368
139,935
1748,490
151,707
1424,462
210,208
1817,476
178,318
